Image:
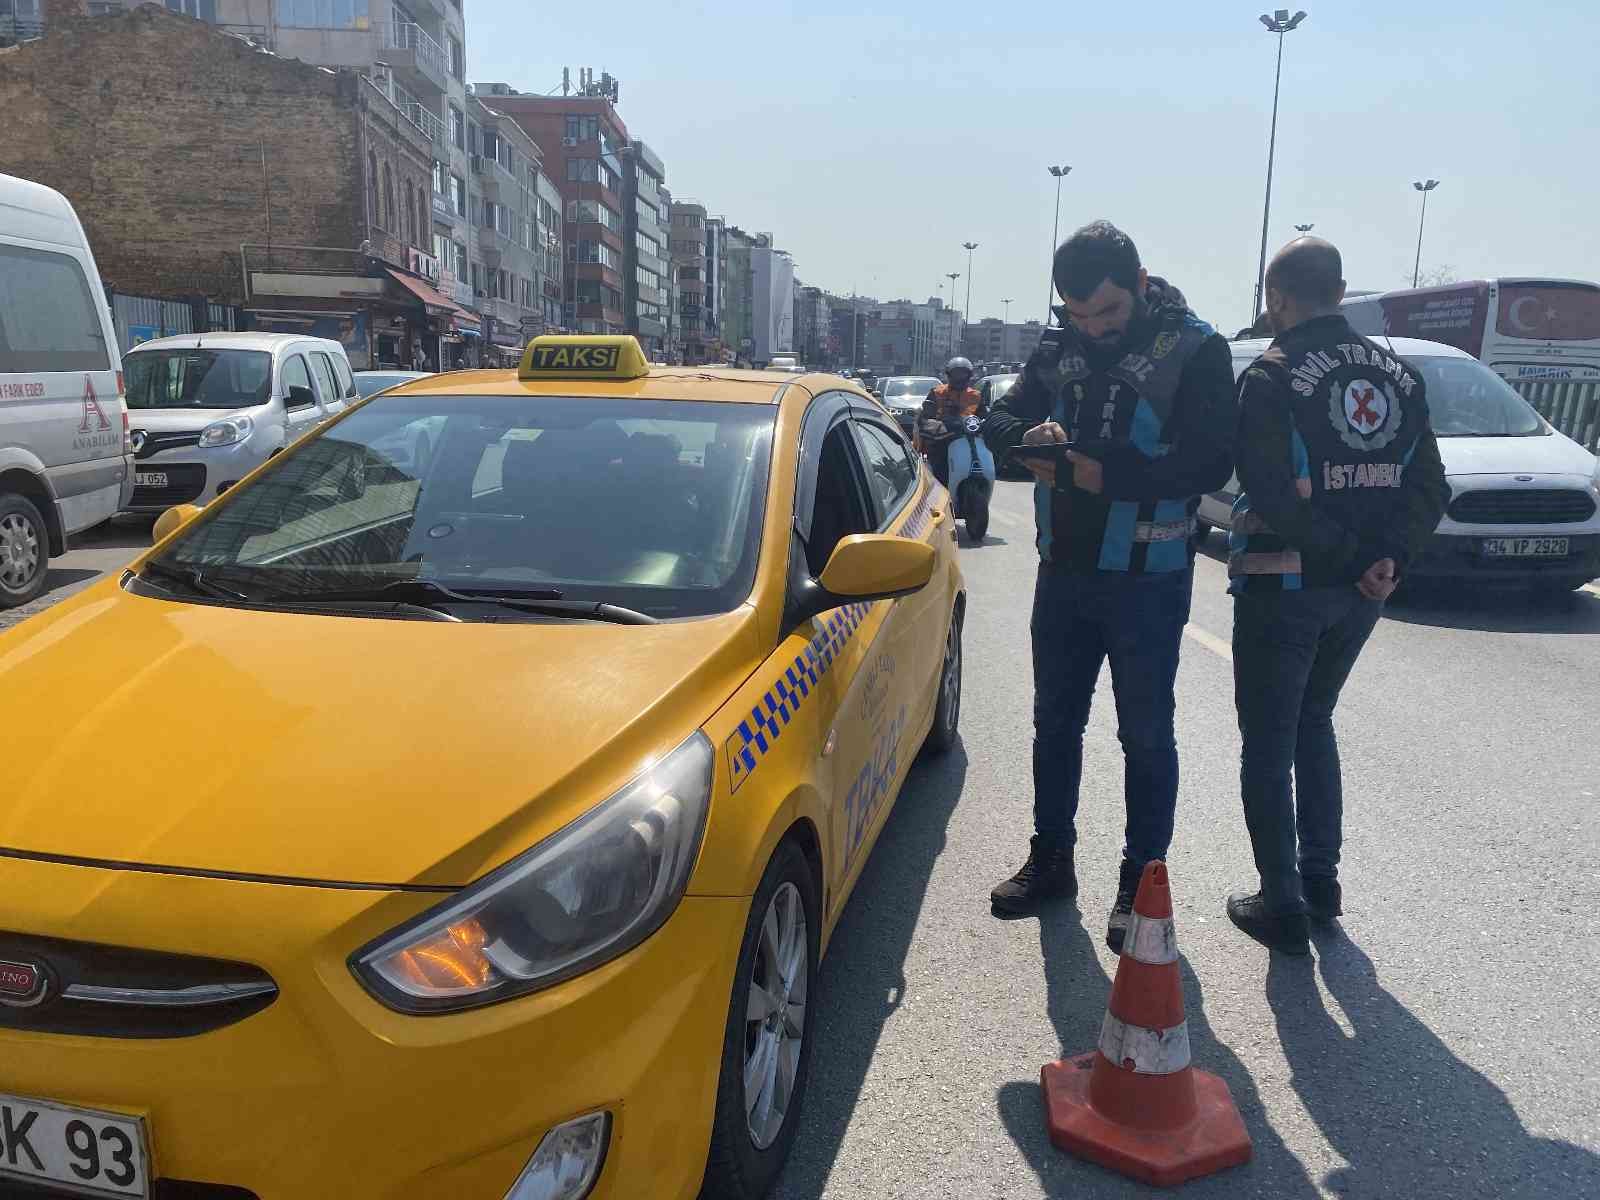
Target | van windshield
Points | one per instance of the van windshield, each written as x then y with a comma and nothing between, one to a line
197,378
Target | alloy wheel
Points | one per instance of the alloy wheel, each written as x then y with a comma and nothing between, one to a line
19,551
775,1015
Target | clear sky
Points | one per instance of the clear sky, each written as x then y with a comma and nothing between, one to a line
873,140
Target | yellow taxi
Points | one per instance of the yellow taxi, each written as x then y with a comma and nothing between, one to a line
470,822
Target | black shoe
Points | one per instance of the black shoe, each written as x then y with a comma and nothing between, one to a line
1287,932
1122,910
1047,875
1324,898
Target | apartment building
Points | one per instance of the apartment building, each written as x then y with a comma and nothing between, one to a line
993,340
583,140
512,257
714,295
772,296
648,309
689,259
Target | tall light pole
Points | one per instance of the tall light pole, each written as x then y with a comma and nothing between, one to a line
1424,188
1055,236
1007,303
952,276
1306,228
1279,23
969,247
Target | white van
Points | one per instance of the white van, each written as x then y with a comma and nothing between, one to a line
64,452
208,408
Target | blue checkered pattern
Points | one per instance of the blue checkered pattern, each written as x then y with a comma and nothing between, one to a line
760,731
917,523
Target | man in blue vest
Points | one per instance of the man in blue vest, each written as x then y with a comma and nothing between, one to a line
1340,485
1144,391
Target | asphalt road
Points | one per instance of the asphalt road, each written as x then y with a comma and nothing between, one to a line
94,552
1443,1045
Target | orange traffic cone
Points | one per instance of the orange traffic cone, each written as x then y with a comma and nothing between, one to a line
1135,1104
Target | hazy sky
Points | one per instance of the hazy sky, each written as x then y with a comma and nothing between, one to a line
873,140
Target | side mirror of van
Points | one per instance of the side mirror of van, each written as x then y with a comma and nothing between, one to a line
172,520
300,396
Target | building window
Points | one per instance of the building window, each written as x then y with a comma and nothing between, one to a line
201,10
438,178
583,129
459,258
372,189
308,14
458,128
388,221
458,60
583,170
458,195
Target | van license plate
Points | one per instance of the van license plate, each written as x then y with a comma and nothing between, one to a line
1525,547
98,1153
150,479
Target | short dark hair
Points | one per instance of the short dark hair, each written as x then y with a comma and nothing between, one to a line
1308,271
1097,252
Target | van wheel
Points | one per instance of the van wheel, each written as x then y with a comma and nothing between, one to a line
766,1054
24,550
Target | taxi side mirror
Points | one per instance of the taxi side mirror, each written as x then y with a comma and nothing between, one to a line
172,520
873,566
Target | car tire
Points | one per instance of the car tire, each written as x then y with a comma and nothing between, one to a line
750,1139
976,507
947,712
24,550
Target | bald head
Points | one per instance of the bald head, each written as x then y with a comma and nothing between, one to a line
1305,279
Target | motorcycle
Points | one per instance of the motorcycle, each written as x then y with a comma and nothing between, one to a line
971,474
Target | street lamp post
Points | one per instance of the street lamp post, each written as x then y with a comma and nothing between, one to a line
970,247
1424,188
1279,23
1306,228
1007,303
1055,235
952,276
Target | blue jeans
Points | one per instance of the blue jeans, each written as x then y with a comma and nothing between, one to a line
1292,652
1079,621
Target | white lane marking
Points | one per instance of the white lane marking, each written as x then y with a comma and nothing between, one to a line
1211,642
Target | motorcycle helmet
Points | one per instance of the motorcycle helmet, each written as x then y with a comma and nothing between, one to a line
958,365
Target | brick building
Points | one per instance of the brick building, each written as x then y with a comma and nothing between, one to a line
202,166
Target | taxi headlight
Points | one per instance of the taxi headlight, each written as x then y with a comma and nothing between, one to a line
226,432
584,895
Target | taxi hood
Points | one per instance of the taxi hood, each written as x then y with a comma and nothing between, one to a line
333,748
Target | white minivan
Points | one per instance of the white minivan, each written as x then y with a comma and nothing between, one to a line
64,454
208,408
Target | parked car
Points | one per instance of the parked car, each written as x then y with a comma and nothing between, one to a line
209,408
65,464
1524,499
903,395
578,753
991,389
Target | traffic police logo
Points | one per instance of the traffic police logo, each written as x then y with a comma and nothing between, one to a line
574,358
1364,413
1165,344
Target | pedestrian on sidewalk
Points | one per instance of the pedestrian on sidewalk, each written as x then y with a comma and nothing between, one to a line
1340,485
1144,389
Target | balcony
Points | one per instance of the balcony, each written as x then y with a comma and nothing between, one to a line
430,124
413,54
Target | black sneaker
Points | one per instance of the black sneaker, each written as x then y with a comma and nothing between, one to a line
1287,932
1047,875
1324,898
1122,910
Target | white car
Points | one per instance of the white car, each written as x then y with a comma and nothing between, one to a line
205,409
1524,499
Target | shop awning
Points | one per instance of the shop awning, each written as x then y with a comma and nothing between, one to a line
434,302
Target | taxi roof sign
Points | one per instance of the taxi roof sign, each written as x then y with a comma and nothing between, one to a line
583,356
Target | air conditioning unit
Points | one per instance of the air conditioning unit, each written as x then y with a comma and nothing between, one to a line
569,141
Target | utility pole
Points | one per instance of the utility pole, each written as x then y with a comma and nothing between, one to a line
1424,188
1055,240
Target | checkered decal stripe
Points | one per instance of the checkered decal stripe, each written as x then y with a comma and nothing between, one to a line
760,731
917,523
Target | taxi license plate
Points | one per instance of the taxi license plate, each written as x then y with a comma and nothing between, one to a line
150,479
95,1153
1525,547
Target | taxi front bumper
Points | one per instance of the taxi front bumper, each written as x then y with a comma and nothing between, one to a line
326,1092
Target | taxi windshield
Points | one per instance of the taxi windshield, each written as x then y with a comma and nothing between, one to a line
655,505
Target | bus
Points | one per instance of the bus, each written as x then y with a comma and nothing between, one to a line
1542,336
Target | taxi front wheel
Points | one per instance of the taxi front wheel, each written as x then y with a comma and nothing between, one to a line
766,1053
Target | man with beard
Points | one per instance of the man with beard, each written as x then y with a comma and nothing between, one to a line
1143,390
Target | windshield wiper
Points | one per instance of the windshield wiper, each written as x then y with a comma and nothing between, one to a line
544,602
195,580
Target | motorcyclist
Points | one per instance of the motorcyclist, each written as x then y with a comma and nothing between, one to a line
943,411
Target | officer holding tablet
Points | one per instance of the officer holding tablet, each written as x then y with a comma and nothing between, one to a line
1125,415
